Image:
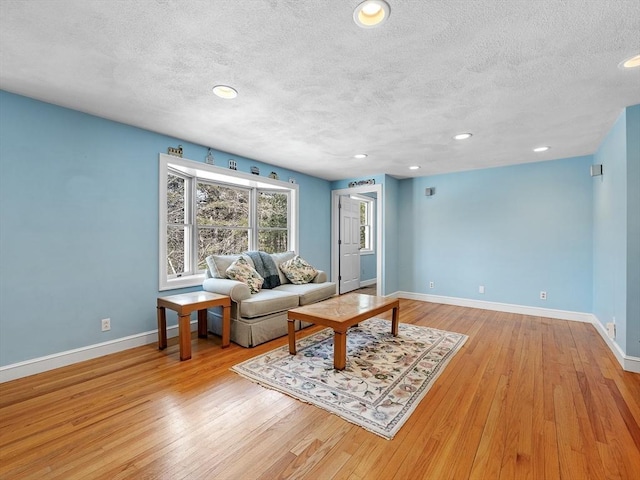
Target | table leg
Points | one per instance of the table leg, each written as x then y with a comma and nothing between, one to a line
291,327
226,326
162,328
202,323
339,350
184,330
394,321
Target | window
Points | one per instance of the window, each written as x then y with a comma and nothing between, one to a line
207,210
366,224
178,230
222,220
273,231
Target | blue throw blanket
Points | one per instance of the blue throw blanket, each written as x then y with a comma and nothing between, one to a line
266,267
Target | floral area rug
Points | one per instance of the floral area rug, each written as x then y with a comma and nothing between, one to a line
383,382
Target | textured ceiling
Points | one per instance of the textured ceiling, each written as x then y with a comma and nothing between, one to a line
315,89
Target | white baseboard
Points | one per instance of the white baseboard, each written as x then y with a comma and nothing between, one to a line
498,307
627,362
62,359
366,283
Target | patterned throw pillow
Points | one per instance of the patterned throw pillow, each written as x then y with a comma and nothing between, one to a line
298,271
218,264
241,270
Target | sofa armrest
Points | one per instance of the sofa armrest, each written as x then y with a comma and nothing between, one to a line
238,291
321,277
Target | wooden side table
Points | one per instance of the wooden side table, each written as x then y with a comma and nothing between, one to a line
186,303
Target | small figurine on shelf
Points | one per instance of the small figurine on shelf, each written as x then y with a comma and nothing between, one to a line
255,170
233,165
273,175
209,158
176,152
292,180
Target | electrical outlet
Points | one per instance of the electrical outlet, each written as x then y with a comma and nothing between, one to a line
611,330
106,324
481,289
543,295
431,285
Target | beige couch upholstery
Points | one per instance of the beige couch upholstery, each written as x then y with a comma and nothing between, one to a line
260,317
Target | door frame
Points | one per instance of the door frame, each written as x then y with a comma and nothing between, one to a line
335,226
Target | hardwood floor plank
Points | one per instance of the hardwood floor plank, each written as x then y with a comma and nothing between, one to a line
526,397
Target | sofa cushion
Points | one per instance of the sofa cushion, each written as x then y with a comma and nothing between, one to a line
298,270
321,277
243,272
218,264
267,301
310,292
280,258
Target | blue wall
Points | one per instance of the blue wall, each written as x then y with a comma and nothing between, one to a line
515,230
609,233
79,226
633,231
390,234
616,233
368,267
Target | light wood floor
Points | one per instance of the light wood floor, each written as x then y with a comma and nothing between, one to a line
525,398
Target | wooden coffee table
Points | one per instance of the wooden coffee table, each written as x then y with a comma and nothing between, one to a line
340,313
185,304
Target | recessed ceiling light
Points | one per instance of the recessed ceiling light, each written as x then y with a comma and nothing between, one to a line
371,13
225,91
360,155
541,149
633,62
414,167
462,136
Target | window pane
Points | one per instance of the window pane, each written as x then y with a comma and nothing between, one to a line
175,199
220,241
272,210
175,250
222,206
273,241
363,213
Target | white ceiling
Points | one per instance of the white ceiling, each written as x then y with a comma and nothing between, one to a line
315,89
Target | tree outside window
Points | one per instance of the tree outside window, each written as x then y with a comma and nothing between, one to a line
178,228
222,219
273,221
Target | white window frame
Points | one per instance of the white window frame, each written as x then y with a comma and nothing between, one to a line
370,202
189,227
202,171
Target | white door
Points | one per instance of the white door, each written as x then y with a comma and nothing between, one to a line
349,244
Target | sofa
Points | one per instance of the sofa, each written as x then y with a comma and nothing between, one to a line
259,317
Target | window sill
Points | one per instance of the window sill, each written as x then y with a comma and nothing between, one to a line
182,282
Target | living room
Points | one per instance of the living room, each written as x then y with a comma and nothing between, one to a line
79,221
516,230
